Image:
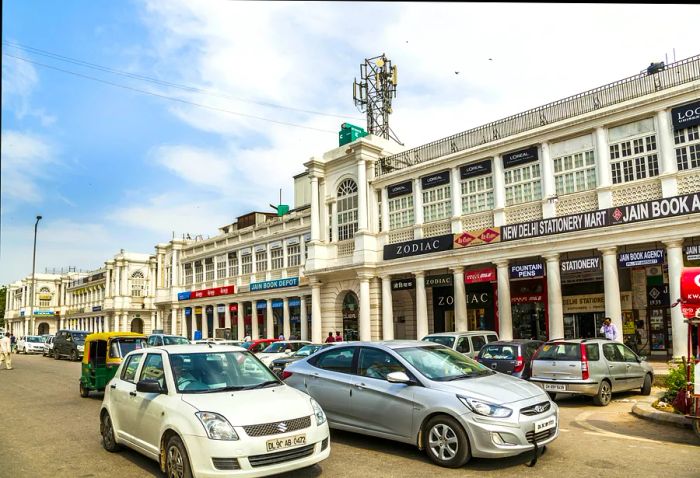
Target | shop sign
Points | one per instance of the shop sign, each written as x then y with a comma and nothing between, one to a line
556,225
295,302
692,253
584,264
277,304
527,271
418,247
480,236
400,189
641,258
576,304
475,169
43,312
206,293
686,115
276,245
626,300
657,295
478,298
275,284
437,179
233,307
403,284
188,311
520,157
292,241
44,296
97,308
261,305
183,295
666,207
522,299
220,308
480,275
690,285
438,281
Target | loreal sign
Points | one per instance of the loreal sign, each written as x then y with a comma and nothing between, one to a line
517,158
400,189
641,258
437,179
418,247
686,115
527,271
475,169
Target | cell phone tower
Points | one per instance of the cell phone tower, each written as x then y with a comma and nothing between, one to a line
374,92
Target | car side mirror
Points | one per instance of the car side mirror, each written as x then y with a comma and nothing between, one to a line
149,386
399,377
642,358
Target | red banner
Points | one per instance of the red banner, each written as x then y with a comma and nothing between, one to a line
690,285
204,293
487,274
520,299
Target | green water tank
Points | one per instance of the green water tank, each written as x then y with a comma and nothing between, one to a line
349,133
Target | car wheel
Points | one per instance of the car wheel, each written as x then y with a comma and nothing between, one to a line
55,355
177,465
74,355
604,394
446,442
107,430
84,392
646,388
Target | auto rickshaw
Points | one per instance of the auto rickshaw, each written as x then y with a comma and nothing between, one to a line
102,356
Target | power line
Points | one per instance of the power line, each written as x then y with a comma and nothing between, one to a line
157,81
171,98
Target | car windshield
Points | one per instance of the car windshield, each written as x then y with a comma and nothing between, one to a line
121,347
276,348
36,339
175,340
499,352
306,350
79,337
220,371
442,364
560,351
446,340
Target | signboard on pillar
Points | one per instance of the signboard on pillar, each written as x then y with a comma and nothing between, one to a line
692,252
274,284
641,258
583,264
475,276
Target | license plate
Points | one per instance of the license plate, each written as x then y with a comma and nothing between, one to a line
545,424
286,442
554,387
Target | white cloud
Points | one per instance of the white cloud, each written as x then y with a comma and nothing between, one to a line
26,159
19,80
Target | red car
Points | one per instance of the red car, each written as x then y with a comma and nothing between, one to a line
257,346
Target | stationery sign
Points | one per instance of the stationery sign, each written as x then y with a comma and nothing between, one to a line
437,179
417,247
274,284
400,189
527,271
475,169
517,158
641,258
686,115
584,264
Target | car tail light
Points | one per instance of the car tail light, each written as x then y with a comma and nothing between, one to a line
519,364
584,363
286,375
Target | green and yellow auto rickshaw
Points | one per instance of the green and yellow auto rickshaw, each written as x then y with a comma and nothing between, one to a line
102,355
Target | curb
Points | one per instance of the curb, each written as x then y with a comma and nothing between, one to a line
646,411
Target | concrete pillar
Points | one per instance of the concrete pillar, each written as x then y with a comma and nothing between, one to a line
316,313
422,328
125,323
365,324
315,210
668,166
679,328
554,299
456,186
602,164
385,210
303,318
240,319
205,322
549,188
270,322
334,221
460,296
505,317
387,309
286,325
255,330
418,204
499,192
362,196
611,283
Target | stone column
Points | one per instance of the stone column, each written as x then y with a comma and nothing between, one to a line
315,210
387,309
303,318
549,188
205,322
362,196
667,156
679,328
385,210
554,299
117,280
611,283
286,325
334,221
505,317
125,322
422,327
499,192
418,208
602,156
456,186
365,324
460,293
254,329
270,323
240,318
227,315
108,282
115,320
316,312
173,320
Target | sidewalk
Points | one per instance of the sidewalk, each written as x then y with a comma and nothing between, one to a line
643,409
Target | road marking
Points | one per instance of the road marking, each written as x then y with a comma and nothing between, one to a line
594,430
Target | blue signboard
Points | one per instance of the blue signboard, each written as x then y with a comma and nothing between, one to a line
261,305
294,302
277,304
97,308
188,311
641,258
183,295
275,284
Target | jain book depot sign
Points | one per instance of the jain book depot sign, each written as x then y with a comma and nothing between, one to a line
417,247
275,284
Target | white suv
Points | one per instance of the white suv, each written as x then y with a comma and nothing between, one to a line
211,411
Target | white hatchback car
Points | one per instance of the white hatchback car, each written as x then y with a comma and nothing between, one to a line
211,411
280,349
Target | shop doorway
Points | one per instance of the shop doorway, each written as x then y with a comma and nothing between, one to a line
660,336
443,309
582,325
350,312
43,328
137,325
529,321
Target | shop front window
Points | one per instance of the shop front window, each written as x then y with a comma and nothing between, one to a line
350,315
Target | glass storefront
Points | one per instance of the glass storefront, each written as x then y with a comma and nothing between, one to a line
350,315
480,306
443,309
529,309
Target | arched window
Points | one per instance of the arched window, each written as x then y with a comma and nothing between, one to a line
44,297
137,284
347,210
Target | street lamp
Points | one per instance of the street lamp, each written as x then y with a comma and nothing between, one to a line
31,300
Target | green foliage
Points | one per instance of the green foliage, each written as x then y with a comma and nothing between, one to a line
675,382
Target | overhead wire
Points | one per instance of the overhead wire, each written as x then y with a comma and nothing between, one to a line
166,97
160,82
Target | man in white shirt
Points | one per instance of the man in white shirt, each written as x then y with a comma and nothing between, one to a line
609,330
6,351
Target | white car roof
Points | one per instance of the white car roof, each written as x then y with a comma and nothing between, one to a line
198,348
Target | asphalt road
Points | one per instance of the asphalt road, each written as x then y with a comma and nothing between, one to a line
47,430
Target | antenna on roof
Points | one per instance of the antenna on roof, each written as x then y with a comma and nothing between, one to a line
281,209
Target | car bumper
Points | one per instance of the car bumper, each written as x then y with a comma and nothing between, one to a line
573,388
202,450
491,439
34,350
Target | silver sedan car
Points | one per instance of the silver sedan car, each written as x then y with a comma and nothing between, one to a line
428,395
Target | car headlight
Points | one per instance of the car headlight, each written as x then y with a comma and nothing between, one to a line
484,408
216,426
81,348
318,412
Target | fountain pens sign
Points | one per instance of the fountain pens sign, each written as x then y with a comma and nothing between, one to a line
418,247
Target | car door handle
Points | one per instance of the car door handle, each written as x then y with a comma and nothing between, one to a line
133,394
112,386
359,386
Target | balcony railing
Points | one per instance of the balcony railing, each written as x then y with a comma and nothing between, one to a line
675,74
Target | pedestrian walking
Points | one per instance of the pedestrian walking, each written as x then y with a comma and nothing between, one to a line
13,342
6,351
330,339
609,330
338,337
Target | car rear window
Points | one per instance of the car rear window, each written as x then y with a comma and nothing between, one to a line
446,340
499,352
559,351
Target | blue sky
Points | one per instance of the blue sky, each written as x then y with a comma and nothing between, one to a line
111,168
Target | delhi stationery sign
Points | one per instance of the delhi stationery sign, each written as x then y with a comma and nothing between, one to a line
274,284
480,236
641,258
583,264
417,247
